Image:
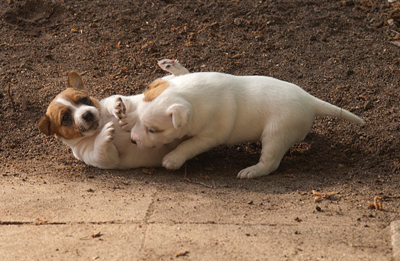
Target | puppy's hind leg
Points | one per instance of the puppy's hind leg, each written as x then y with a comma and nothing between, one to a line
272,153
173,67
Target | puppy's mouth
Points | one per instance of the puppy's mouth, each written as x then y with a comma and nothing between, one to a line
143,146
91,128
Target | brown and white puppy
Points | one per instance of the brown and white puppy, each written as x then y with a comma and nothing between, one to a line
97,132
215,108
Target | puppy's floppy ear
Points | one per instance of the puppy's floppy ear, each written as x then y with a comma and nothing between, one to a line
45,126
75,80
179,114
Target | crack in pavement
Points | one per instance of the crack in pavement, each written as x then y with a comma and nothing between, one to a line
47,223
149,212
144,222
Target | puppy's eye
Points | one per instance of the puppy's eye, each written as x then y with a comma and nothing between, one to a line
85,100
152,131
65,119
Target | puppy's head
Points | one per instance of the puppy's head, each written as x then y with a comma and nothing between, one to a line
73,113
161,120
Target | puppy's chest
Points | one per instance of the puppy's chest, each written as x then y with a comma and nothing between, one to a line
122,139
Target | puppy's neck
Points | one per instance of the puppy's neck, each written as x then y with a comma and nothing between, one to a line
81,140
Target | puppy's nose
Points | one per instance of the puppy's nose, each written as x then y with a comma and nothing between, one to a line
87,116
133,141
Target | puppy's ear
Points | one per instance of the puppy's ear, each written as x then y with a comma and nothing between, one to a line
75,80
45,126
179,114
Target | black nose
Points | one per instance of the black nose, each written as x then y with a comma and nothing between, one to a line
87,116
133,141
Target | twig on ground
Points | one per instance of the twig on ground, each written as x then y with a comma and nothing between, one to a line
207,26
41,222
98,234
390,197
235,56
320,195
149,171
218,35
12,45
196,182
200,183
394,31
377,203
182,253
289,176
189,42
9,95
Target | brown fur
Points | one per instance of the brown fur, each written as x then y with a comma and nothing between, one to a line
51,123
75,80
73,95
155,89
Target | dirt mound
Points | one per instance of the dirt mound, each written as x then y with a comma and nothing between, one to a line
32,14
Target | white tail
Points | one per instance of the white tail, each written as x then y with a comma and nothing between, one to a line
326,109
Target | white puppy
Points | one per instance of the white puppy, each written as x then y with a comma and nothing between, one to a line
92,131
214,108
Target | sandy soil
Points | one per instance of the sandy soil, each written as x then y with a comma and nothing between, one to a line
344,52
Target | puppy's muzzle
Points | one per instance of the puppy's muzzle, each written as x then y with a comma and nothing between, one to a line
88,116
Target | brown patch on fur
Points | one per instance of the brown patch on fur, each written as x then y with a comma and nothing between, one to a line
75,80
51,124
74,95
155,89
45,126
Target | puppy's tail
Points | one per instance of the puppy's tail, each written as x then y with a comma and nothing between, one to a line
326,109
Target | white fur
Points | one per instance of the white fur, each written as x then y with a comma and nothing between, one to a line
105,141
110,147
214,108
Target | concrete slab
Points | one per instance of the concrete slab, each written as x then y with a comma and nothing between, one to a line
251,242
73,202
150,222
71,242
233,209
395,229
167,242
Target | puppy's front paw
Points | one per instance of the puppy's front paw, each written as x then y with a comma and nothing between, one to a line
109,131
128,121
173,161
119,108
125,124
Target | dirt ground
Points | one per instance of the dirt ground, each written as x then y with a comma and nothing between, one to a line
344,52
